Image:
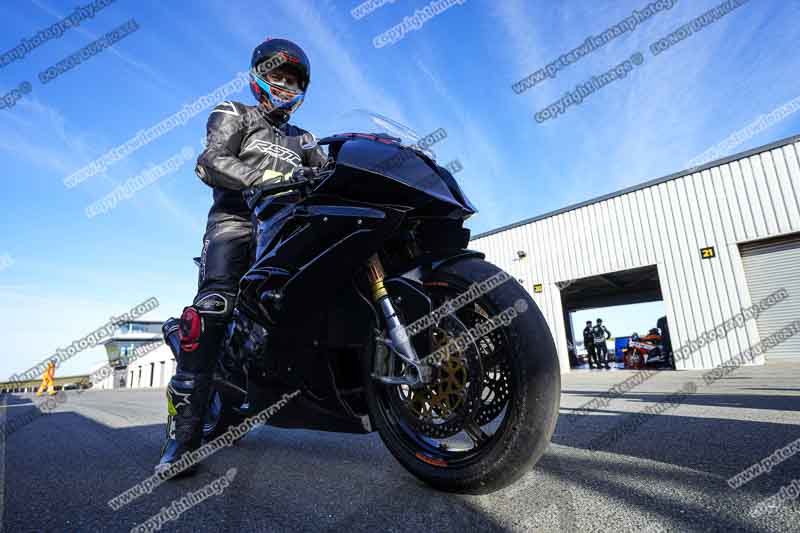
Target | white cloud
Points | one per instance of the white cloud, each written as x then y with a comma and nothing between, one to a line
58,152
651,122
484,165
158,83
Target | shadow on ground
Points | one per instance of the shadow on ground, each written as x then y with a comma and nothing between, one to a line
63,468
772,402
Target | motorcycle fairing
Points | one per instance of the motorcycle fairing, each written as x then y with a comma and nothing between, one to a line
302,280
389,173
314,254
297,279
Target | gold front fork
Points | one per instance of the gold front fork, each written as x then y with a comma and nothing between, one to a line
398,342
376,275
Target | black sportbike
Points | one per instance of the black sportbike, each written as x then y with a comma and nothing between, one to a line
375,244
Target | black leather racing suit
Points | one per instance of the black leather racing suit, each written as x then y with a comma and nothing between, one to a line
600,335
244,148
242,143
588,343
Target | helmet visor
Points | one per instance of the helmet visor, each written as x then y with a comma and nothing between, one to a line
284,79
284,95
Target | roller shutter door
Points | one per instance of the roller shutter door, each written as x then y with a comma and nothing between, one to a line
769,266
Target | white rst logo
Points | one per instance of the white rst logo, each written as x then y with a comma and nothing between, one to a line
278,152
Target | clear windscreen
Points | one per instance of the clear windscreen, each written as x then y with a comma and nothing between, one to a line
365,121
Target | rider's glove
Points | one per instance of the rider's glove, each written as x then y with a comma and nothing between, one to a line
273,177
304,173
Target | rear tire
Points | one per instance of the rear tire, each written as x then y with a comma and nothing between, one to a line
532,409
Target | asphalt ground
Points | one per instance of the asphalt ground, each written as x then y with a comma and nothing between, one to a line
665,472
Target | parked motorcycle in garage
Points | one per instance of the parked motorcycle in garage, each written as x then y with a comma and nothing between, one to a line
647,351
378,243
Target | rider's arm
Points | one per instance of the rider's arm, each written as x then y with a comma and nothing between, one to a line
218,165
607,332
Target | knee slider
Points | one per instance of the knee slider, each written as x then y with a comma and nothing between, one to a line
191,327
213,308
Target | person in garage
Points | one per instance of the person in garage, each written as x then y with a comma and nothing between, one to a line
588,342
600,335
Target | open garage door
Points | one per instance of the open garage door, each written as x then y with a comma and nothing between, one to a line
632,286
619,288
769,266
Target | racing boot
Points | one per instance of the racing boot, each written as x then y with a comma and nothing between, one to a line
197,337
187,396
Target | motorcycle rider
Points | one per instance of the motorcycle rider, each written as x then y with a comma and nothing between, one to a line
601,334
247,146
588,343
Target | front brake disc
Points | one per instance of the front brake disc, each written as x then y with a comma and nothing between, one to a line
440,409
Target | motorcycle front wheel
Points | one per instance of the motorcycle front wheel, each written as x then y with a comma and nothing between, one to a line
489,414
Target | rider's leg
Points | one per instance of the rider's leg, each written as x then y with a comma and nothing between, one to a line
225,259
603,354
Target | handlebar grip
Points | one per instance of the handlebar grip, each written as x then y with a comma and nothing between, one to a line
255,194
282,187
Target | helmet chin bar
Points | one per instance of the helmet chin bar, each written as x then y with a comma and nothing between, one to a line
279,110
278,115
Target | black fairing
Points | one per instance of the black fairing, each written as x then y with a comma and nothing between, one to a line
388,173
303,286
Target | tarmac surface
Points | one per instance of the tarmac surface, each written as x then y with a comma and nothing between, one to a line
665,472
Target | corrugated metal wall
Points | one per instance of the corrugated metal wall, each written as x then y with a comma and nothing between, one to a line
665,224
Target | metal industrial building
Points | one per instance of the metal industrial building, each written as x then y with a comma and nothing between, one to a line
708,241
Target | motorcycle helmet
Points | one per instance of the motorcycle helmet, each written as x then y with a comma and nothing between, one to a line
279,76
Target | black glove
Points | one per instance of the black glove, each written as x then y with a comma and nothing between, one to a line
304,174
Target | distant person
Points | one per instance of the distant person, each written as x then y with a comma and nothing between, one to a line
48,379
588,342
601,334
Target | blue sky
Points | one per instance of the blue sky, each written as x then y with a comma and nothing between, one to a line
69,273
